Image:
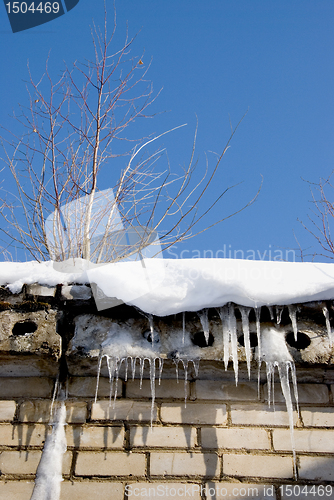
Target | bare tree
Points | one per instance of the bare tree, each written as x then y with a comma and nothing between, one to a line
71,129
321,220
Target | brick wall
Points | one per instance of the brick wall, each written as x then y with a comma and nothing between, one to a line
224,443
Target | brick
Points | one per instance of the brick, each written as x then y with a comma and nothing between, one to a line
87,490
16,490
184,464
23,435
307,393
318,417
85,387
95,437
40,411
261,414
257,466
166,437
232,438
194,413
238,491
41,291
167,389
316,468
26,387
163,490
207,389
26,462
305,440
110,464
304,492
7,410
123,410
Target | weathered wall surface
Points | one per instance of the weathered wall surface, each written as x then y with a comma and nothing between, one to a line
225,443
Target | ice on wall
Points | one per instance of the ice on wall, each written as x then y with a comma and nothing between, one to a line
275,354
120,350
49,471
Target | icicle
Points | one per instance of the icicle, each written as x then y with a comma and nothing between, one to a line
55,390
232,324
176,362
141,371
328,325
203,317
276,354
183,327
98,376
271,311
229,322
257,311
117,368
283,370
152,384
293,316
49,470
185,368
111,373
126,369
133,367
258,331
161,364
222,311
279,311
150,320
245,328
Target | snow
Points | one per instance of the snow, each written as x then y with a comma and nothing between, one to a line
168,286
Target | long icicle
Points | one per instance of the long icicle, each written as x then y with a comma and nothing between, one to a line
203,317
293,316
232,326
245,328
49,470
328,325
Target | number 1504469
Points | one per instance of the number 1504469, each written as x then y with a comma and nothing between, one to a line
32,7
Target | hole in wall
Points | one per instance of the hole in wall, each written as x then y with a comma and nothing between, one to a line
252,340
147,334
302,342
23,327
199,339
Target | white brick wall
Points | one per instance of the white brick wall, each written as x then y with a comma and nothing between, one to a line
232,442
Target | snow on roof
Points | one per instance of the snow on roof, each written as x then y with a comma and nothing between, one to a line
169,286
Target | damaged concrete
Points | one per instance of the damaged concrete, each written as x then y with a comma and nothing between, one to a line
43,324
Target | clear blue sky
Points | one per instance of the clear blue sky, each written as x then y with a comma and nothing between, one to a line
216,59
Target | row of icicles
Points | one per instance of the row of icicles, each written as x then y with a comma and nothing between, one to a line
271,349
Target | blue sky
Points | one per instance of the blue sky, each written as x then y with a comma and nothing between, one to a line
216,59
